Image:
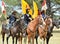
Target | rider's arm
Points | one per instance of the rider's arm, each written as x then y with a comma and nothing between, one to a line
30,17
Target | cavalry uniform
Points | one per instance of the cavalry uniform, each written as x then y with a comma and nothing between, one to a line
27,17
43,14
12,18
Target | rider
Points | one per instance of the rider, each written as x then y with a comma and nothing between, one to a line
43,14
12,18
27,17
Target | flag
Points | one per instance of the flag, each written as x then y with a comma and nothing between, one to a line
30,12
3,7
25,6
44,6
3,10
35,14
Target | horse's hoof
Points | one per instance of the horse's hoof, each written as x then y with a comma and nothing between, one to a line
51,34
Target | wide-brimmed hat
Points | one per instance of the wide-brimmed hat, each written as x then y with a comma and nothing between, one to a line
14,12
42,11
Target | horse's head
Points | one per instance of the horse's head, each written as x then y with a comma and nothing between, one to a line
41,19
56,24
48,20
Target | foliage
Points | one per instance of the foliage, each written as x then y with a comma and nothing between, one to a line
30,2
12,2
57,1
2,18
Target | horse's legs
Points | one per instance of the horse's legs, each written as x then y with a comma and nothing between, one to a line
43,41
3,36
20,41
36,37
13,39
29,39
47,40
33,40
48,37
16,40
7,38
25,39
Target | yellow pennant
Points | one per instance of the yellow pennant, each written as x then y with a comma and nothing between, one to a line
24,6
35,10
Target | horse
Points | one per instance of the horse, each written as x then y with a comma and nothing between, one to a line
51,30
18,30
32,27
14,31
4,31
44,29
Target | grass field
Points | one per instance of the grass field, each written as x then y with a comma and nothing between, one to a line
53,40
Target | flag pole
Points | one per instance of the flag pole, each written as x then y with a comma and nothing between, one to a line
45,11
4,12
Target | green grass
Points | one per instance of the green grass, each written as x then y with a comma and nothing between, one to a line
53,40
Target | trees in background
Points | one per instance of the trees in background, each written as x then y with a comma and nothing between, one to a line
53,5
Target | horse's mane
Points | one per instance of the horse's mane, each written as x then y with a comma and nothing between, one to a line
20,22
17,23
34,19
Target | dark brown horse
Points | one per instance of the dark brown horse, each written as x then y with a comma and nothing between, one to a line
17,30
32,26
14,31
50,30
4,31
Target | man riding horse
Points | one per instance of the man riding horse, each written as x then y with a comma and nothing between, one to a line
12,18
27,17
43,14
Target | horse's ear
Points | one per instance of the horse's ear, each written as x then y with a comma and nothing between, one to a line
40,15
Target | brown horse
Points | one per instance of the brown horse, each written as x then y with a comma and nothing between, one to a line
44,29
18,30
14,31
32,26
4,30
50,30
